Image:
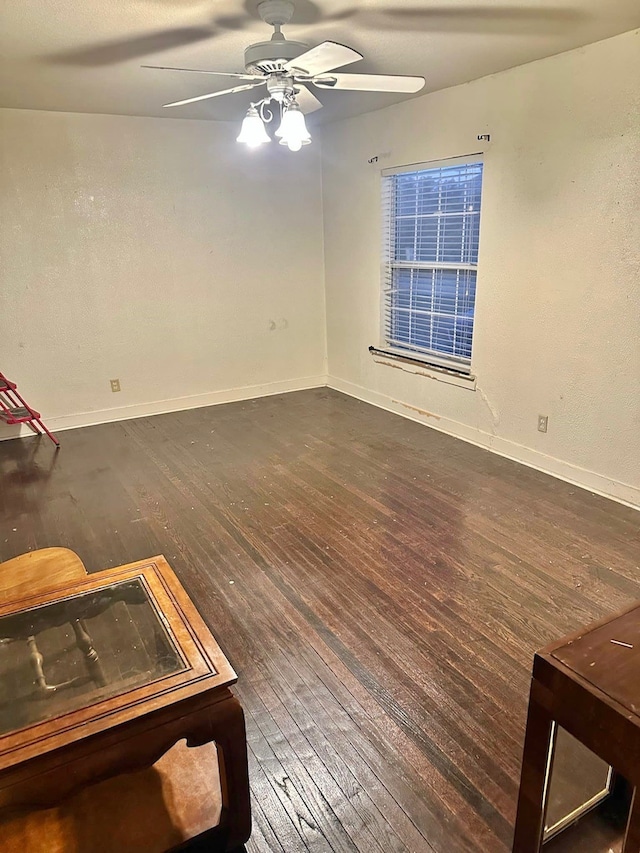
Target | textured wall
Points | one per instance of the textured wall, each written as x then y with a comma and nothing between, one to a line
558,310
157,252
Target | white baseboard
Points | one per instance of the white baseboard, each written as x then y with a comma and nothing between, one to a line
623,493
599,484
161,407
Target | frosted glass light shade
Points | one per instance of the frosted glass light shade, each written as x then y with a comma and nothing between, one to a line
293,129
252,132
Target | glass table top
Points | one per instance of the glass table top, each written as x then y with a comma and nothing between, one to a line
77,651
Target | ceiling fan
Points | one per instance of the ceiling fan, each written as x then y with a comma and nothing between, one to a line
287,68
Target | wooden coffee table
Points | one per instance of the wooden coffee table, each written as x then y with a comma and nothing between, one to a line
146,674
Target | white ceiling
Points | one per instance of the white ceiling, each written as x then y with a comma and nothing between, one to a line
85,55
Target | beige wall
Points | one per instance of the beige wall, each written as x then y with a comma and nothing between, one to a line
558,305
158,252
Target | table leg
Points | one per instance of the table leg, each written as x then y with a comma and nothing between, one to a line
533,780
230,736
632,837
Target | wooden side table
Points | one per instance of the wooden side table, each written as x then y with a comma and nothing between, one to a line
165,680
589,684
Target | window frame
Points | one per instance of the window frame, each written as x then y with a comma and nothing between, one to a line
453,363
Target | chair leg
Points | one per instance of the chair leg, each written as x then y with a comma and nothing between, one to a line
36,661
48,432
85,644
43,688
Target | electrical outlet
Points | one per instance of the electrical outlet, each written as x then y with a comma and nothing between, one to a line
543,423
115,385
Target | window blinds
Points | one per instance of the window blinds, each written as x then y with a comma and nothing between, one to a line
431,217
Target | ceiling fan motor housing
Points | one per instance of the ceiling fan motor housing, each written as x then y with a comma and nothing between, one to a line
276,13
268,57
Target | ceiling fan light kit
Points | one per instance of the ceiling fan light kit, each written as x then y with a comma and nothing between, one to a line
293,129
253,133
287,68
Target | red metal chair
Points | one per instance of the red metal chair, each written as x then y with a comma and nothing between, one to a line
15,410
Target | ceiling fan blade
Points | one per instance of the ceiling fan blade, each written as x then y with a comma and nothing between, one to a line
325,57
233,74
307,101
244,88
370,83
111,52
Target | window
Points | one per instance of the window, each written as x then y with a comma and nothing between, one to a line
430,260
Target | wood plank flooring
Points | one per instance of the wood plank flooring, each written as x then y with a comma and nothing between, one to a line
379,587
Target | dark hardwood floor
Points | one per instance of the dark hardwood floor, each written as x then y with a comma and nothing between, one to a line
379,587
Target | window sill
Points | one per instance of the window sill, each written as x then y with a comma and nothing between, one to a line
423,368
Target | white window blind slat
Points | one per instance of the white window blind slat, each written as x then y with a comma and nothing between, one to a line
431,231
